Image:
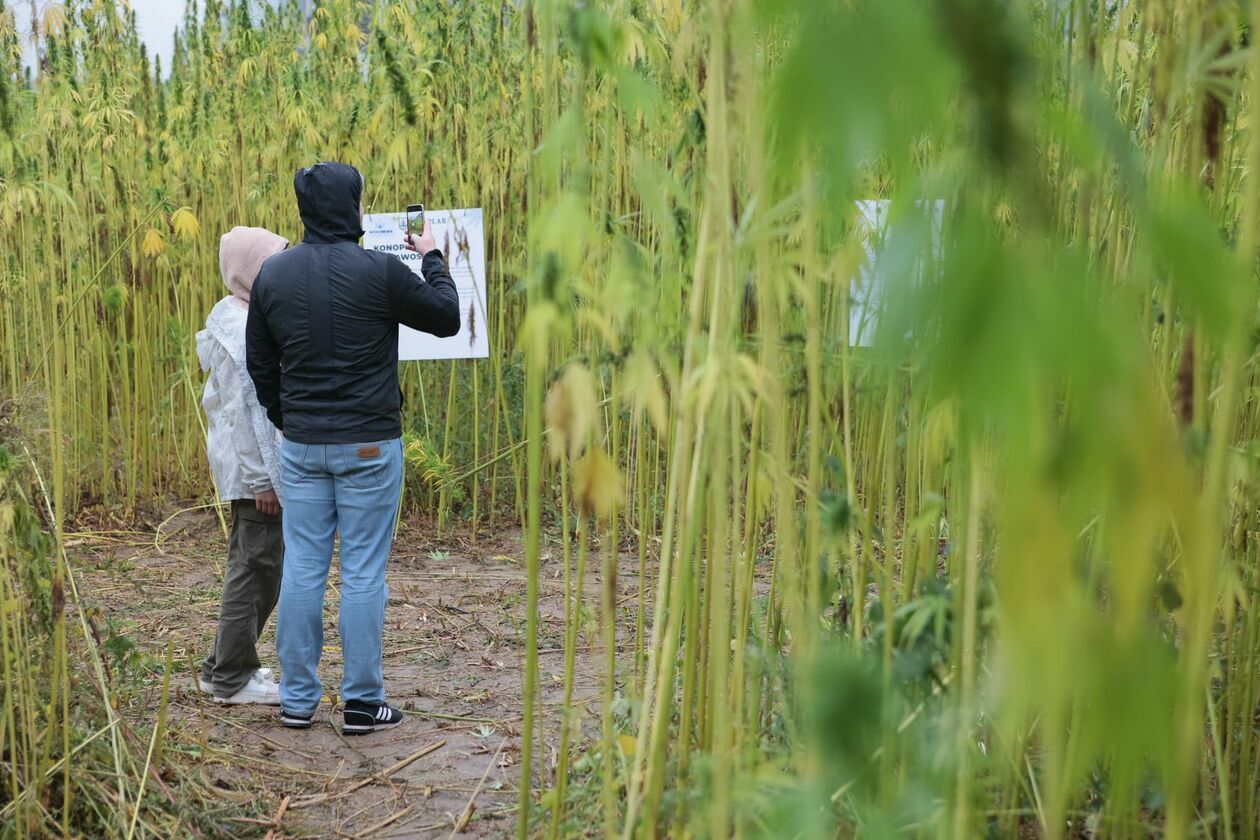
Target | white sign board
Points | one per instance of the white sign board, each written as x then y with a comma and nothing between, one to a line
890,255
461,236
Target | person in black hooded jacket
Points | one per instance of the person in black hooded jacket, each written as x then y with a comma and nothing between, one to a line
322,351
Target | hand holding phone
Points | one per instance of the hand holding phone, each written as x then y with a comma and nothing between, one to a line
423,241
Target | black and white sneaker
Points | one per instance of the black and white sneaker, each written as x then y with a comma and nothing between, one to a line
360,718
296,721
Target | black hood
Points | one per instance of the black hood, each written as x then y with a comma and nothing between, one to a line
329,197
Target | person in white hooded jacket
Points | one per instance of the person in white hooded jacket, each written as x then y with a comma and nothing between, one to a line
242,447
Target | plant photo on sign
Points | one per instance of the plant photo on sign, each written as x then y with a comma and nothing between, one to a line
795,419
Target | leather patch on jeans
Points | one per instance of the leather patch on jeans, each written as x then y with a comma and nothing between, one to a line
369,452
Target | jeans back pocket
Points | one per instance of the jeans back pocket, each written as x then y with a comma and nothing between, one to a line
368,466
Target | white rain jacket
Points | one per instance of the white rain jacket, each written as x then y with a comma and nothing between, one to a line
242,446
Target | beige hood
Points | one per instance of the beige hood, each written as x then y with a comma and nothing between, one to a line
242,251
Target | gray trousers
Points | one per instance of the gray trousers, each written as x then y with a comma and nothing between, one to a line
250,589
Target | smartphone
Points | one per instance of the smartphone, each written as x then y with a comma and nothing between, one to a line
415,219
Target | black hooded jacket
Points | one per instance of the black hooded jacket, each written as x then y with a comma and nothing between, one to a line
322,339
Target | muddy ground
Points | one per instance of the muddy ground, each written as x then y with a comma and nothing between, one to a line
454,653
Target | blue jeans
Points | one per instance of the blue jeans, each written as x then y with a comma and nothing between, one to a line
351,489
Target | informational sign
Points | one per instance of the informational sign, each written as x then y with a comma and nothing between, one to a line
461,236
892,255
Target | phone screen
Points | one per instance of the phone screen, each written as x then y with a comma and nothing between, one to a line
415,219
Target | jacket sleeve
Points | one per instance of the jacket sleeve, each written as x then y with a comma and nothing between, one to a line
431,306
235,396
262,357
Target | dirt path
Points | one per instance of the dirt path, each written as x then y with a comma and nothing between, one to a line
453,660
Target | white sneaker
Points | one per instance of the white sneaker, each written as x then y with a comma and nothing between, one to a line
206,687
260,689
